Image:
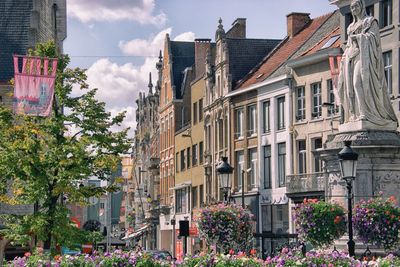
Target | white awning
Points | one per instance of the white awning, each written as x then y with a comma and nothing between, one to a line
182,185
137,233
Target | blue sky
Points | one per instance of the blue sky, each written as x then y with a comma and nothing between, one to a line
117,40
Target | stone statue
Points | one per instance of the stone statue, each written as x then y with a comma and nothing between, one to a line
362,86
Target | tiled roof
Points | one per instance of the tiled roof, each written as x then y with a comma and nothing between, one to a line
244,54
274,63
318,46
182,57
14,33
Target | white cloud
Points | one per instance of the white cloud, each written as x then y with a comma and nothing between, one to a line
186,36
141,11
140,47
119,85
151,46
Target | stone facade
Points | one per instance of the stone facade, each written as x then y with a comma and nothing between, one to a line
25,23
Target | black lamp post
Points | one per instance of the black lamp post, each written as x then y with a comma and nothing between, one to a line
348,168
225,170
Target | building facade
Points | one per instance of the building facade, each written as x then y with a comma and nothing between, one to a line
178,58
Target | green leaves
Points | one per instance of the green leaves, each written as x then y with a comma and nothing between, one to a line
43,159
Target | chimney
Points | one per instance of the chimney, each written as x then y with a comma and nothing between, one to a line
238,29
200,52
296,22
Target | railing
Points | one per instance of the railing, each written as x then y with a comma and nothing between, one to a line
307,182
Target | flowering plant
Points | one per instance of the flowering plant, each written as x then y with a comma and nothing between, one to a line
319,222
139,259
377,221
227,226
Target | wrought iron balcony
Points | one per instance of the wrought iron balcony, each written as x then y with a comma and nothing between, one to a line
306,182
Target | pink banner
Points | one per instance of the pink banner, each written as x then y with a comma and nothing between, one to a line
34,85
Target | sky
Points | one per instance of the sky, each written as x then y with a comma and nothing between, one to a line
118,41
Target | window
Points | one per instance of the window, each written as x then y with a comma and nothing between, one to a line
317,144
201,109
385,7
266,117
167,132
201,152
280,216
188,157
226,132
316,100
194,197
201,195
387,62
220,134
251,120
267,167
182,160
301,104
370,10
194,155
239,168
266,213
181,200
301,146
239,123
165,93
333,109
252,164
281,113
194,113
281,164
177,161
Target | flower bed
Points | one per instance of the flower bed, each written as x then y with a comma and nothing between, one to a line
130,259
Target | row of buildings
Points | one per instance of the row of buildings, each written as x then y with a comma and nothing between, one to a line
268,105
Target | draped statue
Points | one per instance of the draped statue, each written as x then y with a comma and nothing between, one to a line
362,87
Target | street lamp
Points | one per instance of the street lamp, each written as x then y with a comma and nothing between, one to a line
348,168
224,171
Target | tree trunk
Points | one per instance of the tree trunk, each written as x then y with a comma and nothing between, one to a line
3,244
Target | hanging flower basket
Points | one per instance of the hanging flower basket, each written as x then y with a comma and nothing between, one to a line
377,222
319,222
227,227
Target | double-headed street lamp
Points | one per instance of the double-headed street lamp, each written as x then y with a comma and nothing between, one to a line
348,168
225,170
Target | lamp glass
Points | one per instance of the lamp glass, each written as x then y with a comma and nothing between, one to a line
348,168
224,180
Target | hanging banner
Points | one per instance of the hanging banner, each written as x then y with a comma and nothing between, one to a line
34,85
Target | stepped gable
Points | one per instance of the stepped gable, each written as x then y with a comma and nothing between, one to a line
288,48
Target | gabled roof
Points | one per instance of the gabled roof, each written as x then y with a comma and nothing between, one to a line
331,40
273,64
182,57
244,54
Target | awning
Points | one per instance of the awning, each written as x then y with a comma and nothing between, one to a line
182,185
137,233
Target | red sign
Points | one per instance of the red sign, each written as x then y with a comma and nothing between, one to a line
193,231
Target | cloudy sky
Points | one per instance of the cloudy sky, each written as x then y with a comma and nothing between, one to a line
118,40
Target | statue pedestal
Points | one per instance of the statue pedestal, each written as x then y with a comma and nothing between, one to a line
378,168
364,125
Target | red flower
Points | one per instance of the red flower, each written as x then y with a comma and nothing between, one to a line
27,254
231,252
253,252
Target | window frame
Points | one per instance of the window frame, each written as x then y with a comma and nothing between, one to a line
300,98
281,124
267,166
281,164
316,103
266,111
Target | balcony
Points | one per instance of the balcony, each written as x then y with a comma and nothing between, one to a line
304,183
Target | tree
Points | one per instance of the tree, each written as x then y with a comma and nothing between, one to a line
41,163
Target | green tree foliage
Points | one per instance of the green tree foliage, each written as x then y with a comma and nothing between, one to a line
42,162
